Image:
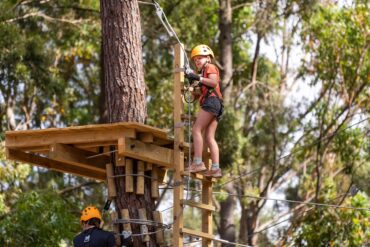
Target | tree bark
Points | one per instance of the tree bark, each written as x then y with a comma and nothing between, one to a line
125,91
123,68
226,56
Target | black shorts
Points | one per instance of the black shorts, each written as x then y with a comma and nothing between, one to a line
213,105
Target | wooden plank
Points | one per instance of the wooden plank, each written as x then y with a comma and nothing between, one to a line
112,192
143,228
121,146
178,155
115,127
199,234
129,179
74,156
126,216
148,152
114,217
157,216
140,178
199,176
154,184
198,205
40,138
55,165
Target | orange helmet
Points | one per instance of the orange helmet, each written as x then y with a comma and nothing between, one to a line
201,50
89,213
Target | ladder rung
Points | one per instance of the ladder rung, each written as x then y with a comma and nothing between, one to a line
197,233
186,117
198,205
198,176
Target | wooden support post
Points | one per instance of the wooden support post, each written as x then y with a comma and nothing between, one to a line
112,192
140,178
143,228
129,178
155,191
157,216
178,159
117,235
207,199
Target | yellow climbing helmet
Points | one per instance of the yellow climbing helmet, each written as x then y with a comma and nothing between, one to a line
89,213
201,50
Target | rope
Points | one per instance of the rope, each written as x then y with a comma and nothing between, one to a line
141,222
138,175
290,201
146,3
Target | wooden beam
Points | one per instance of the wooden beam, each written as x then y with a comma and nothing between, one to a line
148,152
46,162
146,137
71,155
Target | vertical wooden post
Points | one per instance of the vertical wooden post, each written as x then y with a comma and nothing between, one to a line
143,228
140,178
112,192
159,235
155,192
178,154
129,178
126,216
207,199
114,217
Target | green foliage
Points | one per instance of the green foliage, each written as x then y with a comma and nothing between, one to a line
341,227
37,219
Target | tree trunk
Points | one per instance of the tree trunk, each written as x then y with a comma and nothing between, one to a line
123,68
226,56
248,223
227,219
125,91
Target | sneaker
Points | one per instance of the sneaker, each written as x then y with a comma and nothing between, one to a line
216,173
196,168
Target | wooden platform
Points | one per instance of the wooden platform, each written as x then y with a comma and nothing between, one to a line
74,149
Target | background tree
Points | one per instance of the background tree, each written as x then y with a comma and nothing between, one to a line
125,89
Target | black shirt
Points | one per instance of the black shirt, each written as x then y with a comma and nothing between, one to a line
94,237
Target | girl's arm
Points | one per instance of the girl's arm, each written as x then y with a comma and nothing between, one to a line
212,81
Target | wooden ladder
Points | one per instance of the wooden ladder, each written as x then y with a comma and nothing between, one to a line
206,233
